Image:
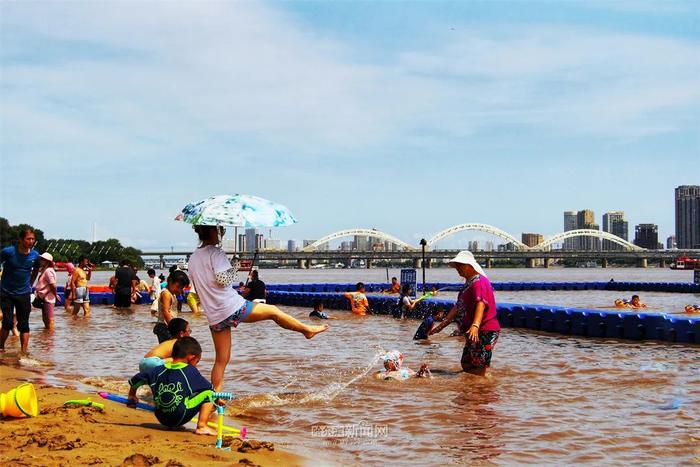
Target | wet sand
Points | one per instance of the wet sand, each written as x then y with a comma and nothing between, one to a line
116,435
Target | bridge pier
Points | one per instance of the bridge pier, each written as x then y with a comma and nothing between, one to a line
530,263
662,263
417,263
489,263
368,262
642,263
302,264
604,263
428,263
545,263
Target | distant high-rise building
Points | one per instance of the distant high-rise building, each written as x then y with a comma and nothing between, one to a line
473,245
585,219
614,222
532,239
241,243
671,243
346,246
361,243
259,241
688,216
251,242
291,246
570,223
647,236
488,246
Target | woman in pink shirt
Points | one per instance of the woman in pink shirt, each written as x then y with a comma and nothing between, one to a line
475,312
46,289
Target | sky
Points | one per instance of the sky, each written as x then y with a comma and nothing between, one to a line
407,117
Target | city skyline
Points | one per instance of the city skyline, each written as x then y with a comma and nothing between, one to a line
406,117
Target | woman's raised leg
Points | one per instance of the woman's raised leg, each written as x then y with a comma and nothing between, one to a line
263,311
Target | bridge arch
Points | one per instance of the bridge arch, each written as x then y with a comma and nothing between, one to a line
586,233
352,232
481,227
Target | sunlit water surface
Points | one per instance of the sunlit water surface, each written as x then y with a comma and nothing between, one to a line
551,399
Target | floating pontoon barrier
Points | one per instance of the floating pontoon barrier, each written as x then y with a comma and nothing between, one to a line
572,321
373,287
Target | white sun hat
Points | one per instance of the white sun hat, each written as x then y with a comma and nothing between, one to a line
467,257
47,256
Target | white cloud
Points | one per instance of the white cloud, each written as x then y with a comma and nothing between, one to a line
177,75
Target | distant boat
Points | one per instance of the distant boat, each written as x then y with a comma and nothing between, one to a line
685,262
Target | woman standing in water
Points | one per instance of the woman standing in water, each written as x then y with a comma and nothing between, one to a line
213,276
475,312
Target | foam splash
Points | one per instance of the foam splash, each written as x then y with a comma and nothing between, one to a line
25,360
325,394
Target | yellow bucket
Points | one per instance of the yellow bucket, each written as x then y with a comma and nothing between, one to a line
19,402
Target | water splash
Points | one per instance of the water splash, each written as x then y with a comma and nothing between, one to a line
325,394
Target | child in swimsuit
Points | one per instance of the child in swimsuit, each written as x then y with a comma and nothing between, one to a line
318,311
393,368
424,329
163,352
179,390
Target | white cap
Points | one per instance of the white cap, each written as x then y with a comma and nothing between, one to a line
47,256
467,257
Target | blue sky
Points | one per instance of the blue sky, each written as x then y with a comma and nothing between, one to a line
408,117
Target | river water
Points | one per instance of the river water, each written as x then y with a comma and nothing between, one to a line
551,399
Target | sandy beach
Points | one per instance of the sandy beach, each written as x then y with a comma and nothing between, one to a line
116,435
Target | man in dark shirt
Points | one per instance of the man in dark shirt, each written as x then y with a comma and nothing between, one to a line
124,284
255,290
20,269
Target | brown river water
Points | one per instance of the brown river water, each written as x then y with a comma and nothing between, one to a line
550,400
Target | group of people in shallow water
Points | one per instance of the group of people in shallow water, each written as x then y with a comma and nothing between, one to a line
169,368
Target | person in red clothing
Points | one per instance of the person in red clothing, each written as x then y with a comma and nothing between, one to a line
475,313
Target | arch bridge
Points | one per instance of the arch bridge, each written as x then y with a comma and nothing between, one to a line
586,233
480,227
361,232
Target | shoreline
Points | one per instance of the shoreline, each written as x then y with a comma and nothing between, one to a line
117,435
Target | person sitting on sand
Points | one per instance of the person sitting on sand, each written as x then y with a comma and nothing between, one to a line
179,390
427,325
393,369
358,300
692,308
161,353
318,311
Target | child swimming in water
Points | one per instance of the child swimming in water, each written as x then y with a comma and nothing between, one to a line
393,369
634,302
424,329
318,311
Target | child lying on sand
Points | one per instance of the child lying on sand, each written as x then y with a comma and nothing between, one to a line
393,370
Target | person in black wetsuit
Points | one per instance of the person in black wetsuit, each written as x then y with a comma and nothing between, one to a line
255,290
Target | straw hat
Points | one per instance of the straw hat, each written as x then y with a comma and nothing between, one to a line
467,257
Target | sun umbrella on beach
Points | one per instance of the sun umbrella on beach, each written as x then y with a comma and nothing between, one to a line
237,210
